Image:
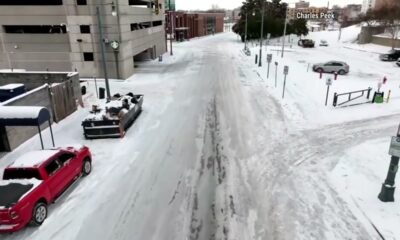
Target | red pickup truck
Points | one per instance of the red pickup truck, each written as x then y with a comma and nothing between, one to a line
37,179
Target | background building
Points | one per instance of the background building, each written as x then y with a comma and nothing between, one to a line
236,14
170,5
197,24
368,4
351,12
63,35
302,4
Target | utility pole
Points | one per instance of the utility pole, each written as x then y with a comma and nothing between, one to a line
103,52
284,31
171,26
285,72
262,31
245,34
5,51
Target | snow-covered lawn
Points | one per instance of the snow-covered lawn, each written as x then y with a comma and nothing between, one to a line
306,92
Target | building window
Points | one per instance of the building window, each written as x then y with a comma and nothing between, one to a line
36,29
138,26
157,23
81,2
88,57
85,28
30,2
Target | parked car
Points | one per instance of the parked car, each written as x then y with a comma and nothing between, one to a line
323,43
393,55
398,62
306,43
113,118
332,67
36,180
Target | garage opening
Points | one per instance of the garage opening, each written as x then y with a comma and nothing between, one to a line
147,55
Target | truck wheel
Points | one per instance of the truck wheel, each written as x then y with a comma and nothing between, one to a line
86,167
39,213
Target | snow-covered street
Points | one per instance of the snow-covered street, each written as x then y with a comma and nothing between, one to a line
217,154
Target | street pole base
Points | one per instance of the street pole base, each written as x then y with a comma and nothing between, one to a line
387,193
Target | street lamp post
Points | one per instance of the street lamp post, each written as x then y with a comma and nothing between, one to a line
262,32
388,187
171,26
103,48
284,31
245,33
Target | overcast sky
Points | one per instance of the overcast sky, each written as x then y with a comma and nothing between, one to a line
230,4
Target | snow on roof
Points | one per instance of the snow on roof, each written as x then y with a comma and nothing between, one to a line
24,71
32,159
33,181
11,86
19,112
12,70
24,95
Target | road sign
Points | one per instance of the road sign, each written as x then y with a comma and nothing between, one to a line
328,84
276,63
394,149
286,70
269,58
170,5
329,81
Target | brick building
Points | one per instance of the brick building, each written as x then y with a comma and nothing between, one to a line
196,24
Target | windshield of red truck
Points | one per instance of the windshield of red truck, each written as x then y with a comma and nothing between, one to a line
21,173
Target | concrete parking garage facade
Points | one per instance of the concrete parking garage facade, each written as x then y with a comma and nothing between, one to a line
63,35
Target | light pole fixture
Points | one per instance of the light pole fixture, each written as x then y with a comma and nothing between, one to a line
171,26
245,34
113,9
103,46
284,30
262,31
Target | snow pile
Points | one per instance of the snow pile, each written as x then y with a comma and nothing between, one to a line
113,109
11,86
27,182
17,112
24,95
34,158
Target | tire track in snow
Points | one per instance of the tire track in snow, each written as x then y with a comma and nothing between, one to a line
211,206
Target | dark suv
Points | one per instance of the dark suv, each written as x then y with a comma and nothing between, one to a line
306,43
393,55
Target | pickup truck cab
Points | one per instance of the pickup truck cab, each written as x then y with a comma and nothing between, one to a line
37,179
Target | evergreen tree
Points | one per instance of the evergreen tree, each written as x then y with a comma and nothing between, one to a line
274,20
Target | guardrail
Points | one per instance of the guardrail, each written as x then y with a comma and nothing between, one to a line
351,96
